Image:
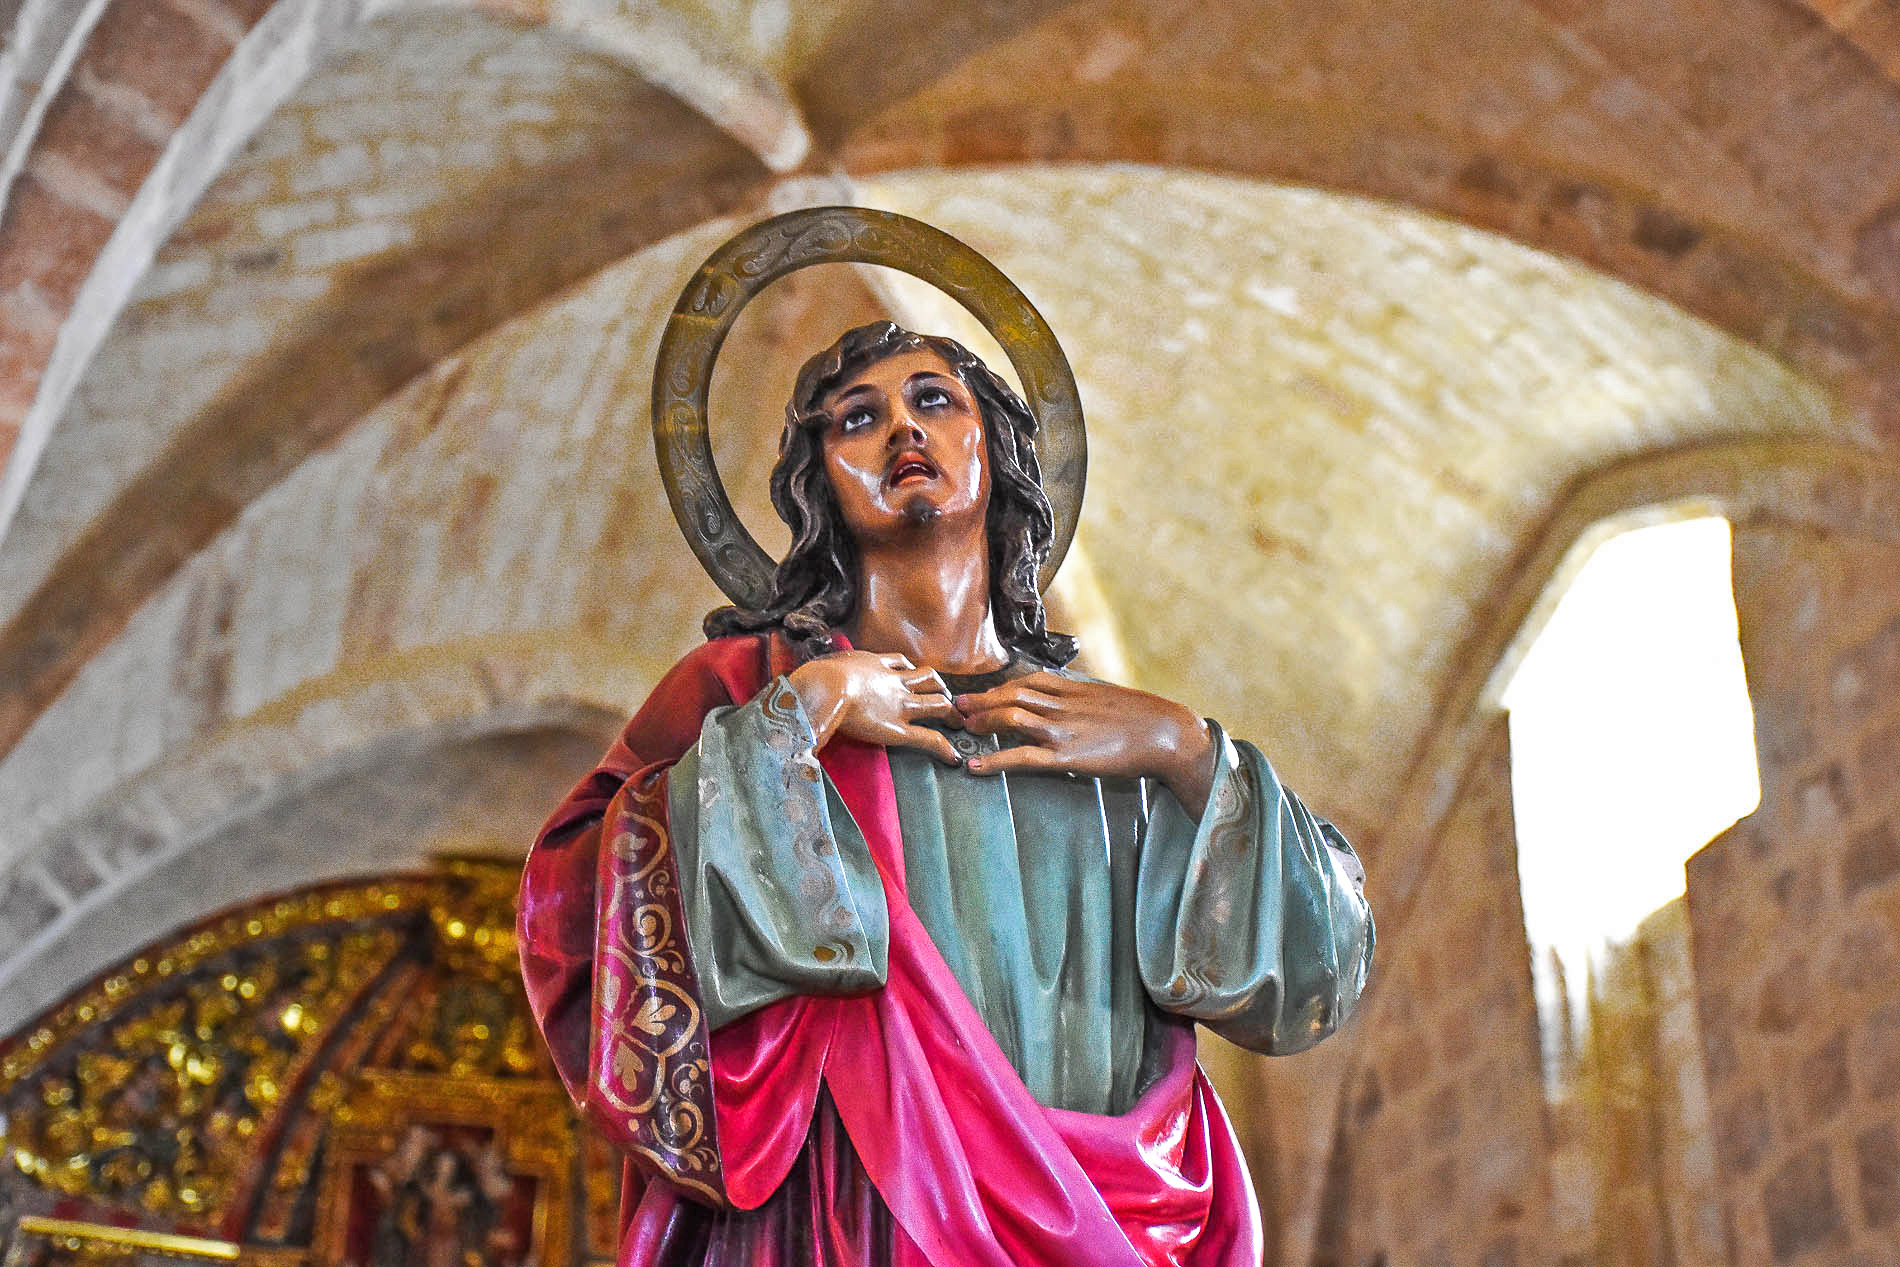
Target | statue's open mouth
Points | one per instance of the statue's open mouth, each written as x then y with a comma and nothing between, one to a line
910,466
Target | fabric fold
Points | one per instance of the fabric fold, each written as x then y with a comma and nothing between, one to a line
971,1168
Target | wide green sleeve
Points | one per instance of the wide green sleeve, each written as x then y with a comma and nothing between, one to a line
777,884
1252,921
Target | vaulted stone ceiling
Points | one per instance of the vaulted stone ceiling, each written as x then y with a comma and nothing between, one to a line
1322,428
380,391
436,176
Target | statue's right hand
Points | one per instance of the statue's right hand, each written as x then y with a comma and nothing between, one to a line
876,699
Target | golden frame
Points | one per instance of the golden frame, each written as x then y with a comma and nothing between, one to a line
369,1127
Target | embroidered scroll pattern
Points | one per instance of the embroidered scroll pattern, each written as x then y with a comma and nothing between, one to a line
1222,866
790,740
652,1061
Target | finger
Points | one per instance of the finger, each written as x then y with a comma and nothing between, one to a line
1050,683
1037,701
995,697
927,741
894,661
1009,695
1015,720
1026,758
931,708
925,682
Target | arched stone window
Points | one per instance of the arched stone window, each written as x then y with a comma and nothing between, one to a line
1632,746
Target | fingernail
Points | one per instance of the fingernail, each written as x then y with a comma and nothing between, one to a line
974,763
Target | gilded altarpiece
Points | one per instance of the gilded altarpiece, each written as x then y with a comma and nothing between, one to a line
342,1077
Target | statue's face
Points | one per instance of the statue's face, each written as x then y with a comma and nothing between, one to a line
904,448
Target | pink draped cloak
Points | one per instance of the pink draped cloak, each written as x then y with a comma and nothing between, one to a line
882,1128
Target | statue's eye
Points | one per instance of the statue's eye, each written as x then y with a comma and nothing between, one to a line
855,420
932,398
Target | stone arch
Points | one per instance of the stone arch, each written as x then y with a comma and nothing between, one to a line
139,107
148,103
1651,146
1463,771
156,851
225,60
389,318
1837,487
1815,301
443,444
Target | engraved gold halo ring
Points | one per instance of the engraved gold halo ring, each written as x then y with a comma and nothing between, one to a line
755,258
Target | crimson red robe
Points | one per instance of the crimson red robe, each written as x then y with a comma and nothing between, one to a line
882,1128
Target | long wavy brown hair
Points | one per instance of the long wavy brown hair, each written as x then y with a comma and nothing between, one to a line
816,587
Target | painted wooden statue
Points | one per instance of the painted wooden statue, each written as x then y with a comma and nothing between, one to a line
880,935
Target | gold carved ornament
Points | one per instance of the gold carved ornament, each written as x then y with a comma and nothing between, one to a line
188,1051
213,1086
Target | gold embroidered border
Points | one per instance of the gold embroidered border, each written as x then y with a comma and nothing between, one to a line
652,1058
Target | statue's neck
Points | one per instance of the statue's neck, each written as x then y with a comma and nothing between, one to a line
929,600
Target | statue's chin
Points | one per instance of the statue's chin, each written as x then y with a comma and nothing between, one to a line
921,512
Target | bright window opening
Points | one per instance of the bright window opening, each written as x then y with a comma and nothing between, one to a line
1632,746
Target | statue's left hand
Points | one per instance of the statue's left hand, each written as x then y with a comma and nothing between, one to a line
1094,728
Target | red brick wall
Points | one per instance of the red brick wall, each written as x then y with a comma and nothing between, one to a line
1444,1137
139,74
1796,910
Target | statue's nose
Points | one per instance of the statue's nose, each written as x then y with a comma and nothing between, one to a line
905,430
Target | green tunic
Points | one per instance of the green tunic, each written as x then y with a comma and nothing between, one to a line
1073,911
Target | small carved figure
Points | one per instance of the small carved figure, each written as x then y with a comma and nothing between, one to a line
438,1207
881,934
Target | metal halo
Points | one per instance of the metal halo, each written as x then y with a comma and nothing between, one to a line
747,264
